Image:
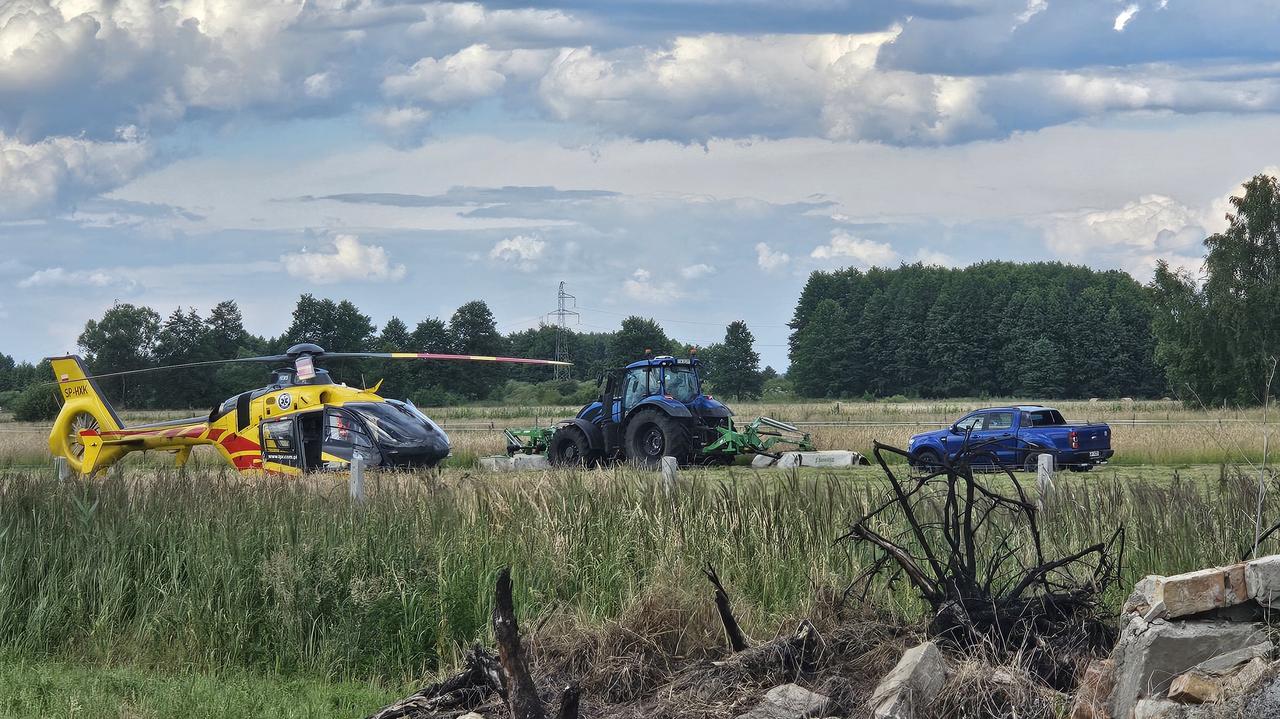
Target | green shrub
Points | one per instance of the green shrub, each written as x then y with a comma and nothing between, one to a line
37,403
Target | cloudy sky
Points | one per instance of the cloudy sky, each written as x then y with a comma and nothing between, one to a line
689,160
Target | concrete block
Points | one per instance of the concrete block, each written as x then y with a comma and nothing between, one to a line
1203,590
522,462
911,685
497,463
1262,577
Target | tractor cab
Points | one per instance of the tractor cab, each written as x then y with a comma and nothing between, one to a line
664,381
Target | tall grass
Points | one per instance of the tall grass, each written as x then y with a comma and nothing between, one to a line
206,569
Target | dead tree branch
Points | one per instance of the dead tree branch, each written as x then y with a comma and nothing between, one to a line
977,556
737,640
522,693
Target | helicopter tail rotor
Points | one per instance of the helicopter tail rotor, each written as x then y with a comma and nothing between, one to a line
85,413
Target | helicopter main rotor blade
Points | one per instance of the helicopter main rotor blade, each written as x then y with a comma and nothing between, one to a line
206,363
436,356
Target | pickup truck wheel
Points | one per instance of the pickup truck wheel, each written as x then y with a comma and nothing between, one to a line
1032,464
927,461
652,435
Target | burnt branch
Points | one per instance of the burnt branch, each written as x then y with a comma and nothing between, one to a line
522,693
737,640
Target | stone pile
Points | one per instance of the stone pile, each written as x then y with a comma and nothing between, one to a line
1194,646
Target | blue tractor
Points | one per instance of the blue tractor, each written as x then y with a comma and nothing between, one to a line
648,410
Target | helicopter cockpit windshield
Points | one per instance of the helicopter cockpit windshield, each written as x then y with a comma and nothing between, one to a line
395,423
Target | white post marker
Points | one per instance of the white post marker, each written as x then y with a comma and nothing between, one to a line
356,482
1044,478
64,469
670,473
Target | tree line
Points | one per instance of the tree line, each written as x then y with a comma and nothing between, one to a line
1050,330
130,337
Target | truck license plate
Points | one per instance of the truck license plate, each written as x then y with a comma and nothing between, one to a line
1095,454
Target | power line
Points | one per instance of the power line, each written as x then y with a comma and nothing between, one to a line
683,322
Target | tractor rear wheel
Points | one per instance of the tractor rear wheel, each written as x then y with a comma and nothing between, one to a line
569,448
652,435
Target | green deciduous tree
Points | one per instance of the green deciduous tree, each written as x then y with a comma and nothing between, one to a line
636,335
1217,340
123,339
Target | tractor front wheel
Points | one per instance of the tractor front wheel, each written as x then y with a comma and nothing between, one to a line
652,435
569,448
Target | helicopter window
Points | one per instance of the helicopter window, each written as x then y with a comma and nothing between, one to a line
342,427
277,437
393,422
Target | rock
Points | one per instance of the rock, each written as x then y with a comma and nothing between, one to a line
1093,691
1149,655
1158,709
471,715
1203,590
911,684
1265,702
530,461
1144,595
789,701
1195,688
1227,663
1262,576
1245,677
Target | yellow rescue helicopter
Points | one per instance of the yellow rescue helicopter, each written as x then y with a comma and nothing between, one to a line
302,422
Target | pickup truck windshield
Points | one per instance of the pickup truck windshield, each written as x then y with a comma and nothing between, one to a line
1045,418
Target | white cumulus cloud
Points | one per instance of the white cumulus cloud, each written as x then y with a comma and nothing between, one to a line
61,277
43,177
1125,16
769,259
521,252
1132,236
693,272
350,261
642,286
863,253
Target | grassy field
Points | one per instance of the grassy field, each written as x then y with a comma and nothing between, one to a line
137,593
38,689
1163,433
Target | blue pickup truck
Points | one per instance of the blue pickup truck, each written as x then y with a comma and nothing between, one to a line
1017,436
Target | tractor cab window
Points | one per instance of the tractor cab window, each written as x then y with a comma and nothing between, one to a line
635,386
682,384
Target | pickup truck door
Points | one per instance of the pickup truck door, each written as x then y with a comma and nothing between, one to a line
999,434
968,425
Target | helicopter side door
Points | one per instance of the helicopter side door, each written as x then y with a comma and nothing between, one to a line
345,435
281,446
